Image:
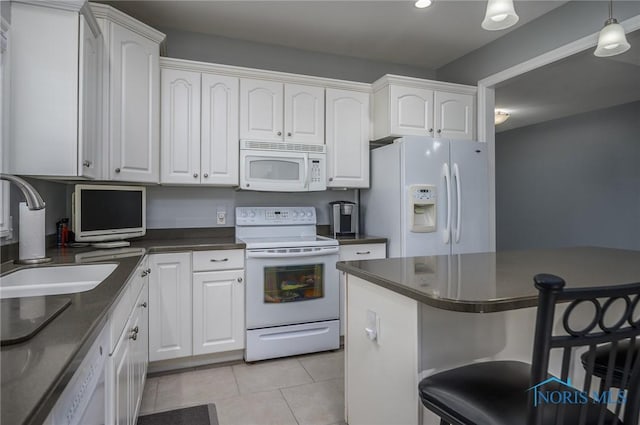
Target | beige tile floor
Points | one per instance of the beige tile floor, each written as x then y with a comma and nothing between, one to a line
301,390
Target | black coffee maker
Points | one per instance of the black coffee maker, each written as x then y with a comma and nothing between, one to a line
343,218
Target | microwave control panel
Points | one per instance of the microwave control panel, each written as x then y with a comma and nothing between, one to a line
317,175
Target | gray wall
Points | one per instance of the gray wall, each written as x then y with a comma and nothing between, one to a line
572,181
563,25
228,51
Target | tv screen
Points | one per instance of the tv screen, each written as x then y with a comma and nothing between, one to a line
109,212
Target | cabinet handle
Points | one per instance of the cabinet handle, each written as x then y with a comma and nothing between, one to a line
239,280
279,133
439,131
148,271
431,130
363,252
117,170
330,179
213,260
86,163
206,175
289,134
143,305
195,175
133,336
144,273
136,330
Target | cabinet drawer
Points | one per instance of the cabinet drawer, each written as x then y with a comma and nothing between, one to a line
363,251
218,260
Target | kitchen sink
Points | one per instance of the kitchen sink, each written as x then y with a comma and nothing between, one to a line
54,280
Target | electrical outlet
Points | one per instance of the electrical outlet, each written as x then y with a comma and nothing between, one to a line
221,217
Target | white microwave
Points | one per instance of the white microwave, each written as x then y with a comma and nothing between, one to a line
282,167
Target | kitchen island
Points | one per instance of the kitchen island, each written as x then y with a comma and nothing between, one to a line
410,317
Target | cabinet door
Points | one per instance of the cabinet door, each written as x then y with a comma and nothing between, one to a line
411,111
134,107
261,105
90,118
139,350
218,311
120,393
347,139
303,114
180,133
454,115
220,144
170,306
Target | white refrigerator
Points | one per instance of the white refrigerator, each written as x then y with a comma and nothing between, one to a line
429,197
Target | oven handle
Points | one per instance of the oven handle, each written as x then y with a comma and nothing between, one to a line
262,254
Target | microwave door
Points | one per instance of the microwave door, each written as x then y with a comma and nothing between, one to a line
274,171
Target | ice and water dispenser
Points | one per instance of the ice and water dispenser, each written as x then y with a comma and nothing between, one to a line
422,208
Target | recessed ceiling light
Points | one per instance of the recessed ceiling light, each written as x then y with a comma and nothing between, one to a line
421,4
501,117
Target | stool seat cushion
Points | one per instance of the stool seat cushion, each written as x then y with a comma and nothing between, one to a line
495,393
601,362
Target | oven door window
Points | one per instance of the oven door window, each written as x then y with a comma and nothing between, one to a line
284,284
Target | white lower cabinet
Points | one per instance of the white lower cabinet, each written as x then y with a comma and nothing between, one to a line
170,306
127,364
218,311
351,253
200,312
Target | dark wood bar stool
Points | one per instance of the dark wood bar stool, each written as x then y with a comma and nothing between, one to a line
517,393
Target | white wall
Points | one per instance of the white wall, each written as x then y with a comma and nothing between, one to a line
181,207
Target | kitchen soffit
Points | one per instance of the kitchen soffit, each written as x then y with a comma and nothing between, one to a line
389,31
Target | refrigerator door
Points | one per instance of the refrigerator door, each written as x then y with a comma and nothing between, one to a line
424,161
470,197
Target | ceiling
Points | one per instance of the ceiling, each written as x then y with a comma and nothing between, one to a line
577,84
390,31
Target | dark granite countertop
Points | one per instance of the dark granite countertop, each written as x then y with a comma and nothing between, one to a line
35,372
491,282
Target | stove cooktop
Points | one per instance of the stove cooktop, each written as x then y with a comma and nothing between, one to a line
287,241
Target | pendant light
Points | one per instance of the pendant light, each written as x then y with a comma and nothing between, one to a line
500,15
612,39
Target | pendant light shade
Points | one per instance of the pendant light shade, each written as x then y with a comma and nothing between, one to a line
612,40
500,15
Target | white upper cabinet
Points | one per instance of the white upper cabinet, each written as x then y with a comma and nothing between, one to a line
134,106
411,111
54,110
261,109
199,133
132,97
278,112
406,106
454,115
347,138
219,130
180,134
303,114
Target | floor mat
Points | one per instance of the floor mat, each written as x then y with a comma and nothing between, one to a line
197,415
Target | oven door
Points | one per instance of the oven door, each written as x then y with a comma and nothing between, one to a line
287,286
274,171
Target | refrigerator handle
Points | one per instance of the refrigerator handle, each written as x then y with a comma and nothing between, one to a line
458,229
446,235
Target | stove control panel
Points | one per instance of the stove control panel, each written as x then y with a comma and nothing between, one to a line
274,216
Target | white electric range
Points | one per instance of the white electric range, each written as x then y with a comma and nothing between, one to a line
292,291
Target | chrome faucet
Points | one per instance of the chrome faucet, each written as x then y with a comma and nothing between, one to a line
32,242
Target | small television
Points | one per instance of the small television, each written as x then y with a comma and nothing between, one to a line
106,215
